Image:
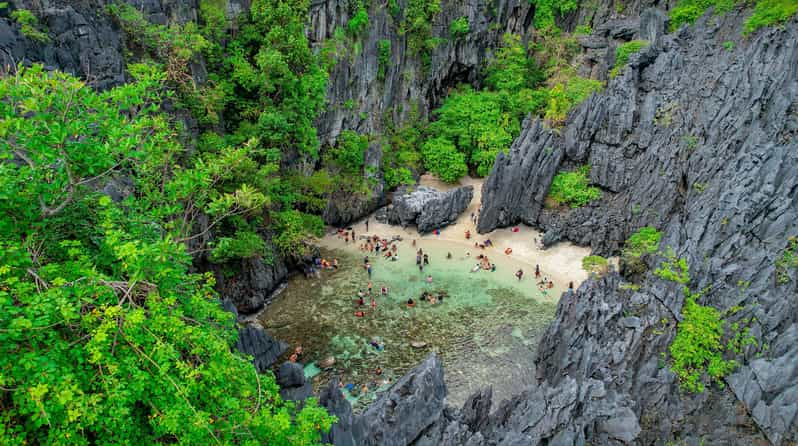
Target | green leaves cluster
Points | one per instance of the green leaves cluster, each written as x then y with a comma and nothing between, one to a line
349,152
595,264
788,262
546,10
769,13
383,57
644,241
623,52
698,347
29,25
459,28
563,97
573,188
417,25
472,127
766,12
359,22
105,335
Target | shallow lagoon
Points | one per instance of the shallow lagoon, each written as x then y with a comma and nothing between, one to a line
486,330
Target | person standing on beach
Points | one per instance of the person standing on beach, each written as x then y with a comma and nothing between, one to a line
367,225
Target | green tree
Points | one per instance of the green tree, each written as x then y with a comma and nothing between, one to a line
106,336
443,159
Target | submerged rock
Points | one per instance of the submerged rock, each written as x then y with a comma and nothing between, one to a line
428,208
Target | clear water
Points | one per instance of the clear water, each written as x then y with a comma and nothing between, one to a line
486,330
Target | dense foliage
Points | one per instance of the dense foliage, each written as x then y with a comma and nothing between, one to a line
546,10
106,337
573,188
698,346
644,241
459,28
472,127
29,25
623,52
595,264
765,13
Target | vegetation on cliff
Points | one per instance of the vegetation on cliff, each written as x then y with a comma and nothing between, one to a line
107,336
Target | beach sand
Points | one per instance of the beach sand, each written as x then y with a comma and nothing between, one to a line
561,263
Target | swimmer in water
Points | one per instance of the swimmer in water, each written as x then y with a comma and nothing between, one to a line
429,279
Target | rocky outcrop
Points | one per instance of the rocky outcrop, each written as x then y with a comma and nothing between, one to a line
264,349
361,99
344,207
254,282
698,139
414,403
428,208
293,385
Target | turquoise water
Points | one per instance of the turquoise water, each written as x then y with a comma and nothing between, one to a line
486,328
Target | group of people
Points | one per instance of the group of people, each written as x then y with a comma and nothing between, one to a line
484,263
347,234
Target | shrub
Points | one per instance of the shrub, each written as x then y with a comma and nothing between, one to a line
29,25
545,10
565,96
583,30
644,241
688,11
698,347
417,25
595,264
459,28
349,152
359,22
294,231
383,57
572,188
443,159
768,13
244,245
788,261
623,52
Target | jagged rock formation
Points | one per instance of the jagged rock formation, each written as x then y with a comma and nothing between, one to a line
253,284
428,208
293,385
399,416
698,141
408,86
253,340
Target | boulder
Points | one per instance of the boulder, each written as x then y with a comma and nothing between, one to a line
428,208
256,342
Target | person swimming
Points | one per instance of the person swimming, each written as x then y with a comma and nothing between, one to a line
519,274
411,303
475,268
429,279
373,304
449,255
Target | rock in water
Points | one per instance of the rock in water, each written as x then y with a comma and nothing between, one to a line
401,414
264,348
428,208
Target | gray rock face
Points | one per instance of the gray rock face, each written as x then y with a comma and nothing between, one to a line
265,349
345,207
83,39
428,208
699,142
400,415
293,386
253,284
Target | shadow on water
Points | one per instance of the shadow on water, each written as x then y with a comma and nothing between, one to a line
486,329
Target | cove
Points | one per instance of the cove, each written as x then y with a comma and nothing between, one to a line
485,330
